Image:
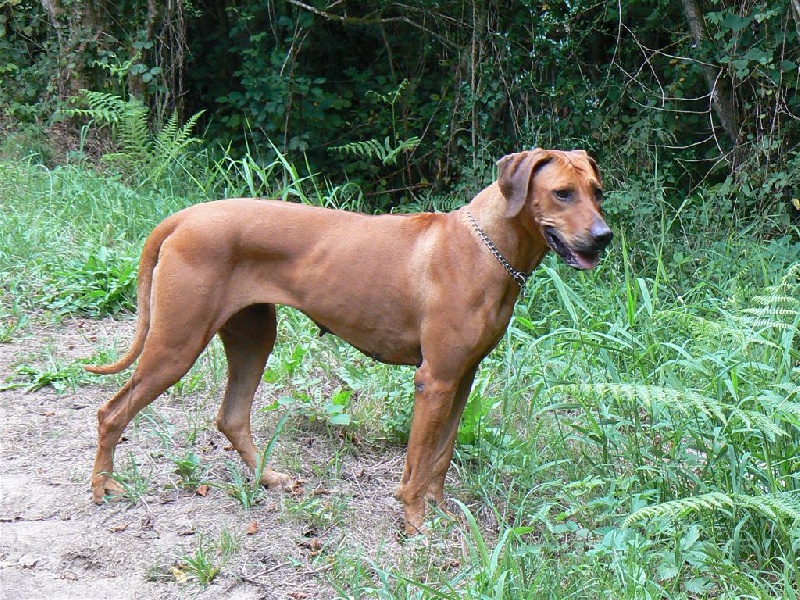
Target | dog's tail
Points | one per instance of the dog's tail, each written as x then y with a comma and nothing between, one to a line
147,265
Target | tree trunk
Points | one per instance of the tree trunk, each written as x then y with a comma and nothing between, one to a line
796,14
77,25
718,85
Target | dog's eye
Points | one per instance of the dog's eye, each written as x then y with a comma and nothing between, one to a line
598,196
563,195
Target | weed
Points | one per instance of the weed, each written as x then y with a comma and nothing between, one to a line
249,492
209,557
12,320
288,366
61,377
200,566
159,572
156,424
190,469
103,283
207,375
228,543
316,406
385,395
134,483
319,512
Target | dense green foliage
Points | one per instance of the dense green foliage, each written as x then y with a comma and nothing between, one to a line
408,98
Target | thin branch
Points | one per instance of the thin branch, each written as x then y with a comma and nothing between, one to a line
345,20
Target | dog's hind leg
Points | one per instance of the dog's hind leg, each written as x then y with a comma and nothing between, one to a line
248,337
171,348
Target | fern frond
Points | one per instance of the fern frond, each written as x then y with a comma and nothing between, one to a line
781,505
775,299
713,501
169,129
780,306
361,149
766,315
690,402
173,139
375,149
777,309
781,407
432,204
793,391
403,146
684,401
141,152
757,421
171,142
133,133
392,96
785,505
102,107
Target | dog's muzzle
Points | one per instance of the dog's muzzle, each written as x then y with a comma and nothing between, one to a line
585,254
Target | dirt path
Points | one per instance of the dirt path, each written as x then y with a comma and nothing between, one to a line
54,543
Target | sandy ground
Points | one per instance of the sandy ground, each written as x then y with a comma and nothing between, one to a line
55,543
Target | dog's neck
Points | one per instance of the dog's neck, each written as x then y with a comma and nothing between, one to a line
522,244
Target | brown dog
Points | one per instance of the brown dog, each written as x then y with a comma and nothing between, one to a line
432,290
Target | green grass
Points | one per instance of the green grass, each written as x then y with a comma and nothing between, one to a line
635,435
135,484
48,371
206,562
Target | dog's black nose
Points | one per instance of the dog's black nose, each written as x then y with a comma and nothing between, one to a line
601,233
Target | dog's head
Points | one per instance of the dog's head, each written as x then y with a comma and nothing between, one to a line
558,194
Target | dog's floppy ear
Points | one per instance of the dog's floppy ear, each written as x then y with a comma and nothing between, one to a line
585,155
514,175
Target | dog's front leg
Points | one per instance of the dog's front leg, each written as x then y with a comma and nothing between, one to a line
438,404
448,438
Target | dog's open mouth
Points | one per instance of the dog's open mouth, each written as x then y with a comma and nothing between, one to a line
574,258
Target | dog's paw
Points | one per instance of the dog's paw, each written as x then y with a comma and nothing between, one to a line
416,528
277,481
105,489
414,520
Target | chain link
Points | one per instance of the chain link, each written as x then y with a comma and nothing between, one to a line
519,277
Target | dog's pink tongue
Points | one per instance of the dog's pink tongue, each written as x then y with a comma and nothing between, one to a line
585,261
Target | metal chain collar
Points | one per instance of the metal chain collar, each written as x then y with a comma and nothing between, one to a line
520,277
